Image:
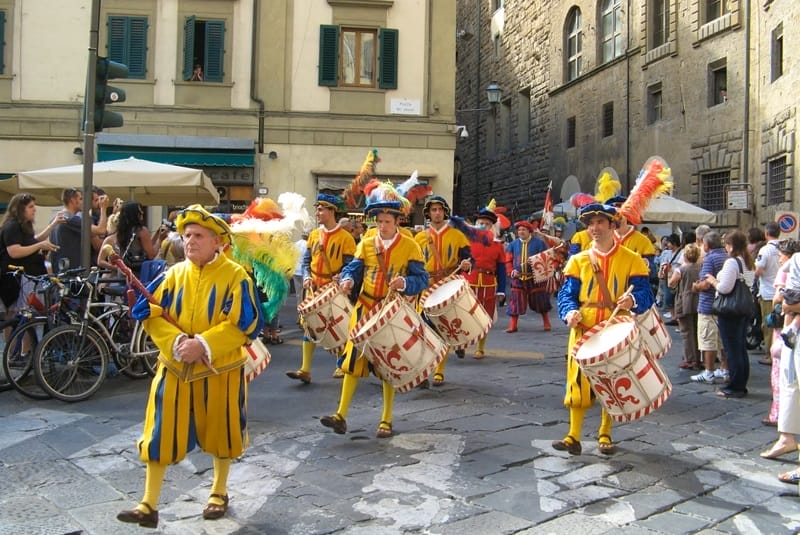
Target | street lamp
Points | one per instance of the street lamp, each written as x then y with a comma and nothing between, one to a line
493,95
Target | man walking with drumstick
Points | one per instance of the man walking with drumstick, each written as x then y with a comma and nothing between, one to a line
595,282
384,262
329,248
444,250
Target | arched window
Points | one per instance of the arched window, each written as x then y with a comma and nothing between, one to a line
611,29
574,44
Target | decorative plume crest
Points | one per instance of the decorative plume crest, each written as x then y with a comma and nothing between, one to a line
654,180
608,185
414,190
579,200
365,174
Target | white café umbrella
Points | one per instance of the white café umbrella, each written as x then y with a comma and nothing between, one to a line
150,183
666,209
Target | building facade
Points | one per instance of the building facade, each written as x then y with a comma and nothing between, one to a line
705,84
265,96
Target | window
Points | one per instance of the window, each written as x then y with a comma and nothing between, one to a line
717,83
712,190
654,103
368,57
498,4
524,118
127,44
203,48
776,57
611,28
574,45
608,119
505,125
659,22
777,190
570,132
714,9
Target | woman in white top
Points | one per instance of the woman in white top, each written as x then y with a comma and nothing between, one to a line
732,329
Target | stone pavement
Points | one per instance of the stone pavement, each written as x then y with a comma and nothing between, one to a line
472,456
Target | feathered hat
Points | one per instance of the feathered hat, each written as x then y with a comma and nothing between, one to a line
596,208
654,180
414,190
435,199
364,176
608,186
487,212
262,208
579,200
197,215
383,198
559,223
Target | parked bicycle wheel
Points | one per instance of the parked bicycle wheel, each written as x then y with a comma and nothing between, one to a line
126,357
144,349
18,357
71,362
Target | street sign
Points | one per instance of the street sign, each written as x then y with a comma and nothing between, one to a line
788,223
738,197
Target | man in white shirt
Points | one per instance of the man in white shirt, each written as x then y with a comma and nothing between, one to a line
766,270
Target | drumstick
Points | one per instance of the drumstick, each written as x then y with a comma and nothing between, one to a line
623,296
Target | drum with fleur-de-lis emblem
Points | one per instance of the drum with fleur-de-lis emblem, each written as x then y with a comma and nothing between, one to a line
451,307
326,317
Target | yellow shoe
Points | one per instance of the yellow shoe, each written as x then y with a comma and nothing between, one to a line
479,354
338,373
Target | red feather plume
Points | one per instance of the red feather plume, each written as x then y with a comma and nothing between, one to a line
654,179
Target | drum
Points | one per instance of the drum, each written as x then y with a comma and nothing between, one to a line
403,349
258,358
326,317
455,313
624,375
655,336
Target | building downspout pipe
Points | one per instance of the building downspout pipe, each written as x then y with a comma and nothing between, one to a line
745,171
253,92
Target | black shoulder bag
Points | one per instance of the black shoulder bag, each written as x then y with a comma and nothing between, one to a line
739,302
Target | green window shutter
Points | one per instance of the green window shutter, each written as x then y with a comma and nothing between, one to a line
328,55
387,60
137,48
2,41
188,47
117,39
215,51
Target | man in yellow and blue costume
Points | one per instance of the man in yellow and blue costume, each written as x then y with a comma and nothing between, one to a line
329,248
384,262
199,394
444,250
583,303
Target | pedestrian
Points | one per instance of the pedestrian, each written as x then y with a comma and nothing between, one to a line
732,329
68,235
595,283
525,291
487,278
21,245
671,257
444,250
198,395
708,339
386,262
131,240
329,248
767,257
681,279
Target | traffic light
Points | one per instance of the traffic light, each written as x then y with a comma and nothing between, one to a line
106,94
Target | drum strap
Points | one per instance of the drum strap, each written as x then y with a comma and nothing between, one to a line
321,250
379,252
602,282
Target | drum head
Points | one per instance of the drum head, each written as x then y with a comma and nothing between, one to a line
444,292
369,322
601,341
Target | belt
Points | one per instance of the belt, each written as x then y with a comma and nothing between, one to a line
484,271
599,305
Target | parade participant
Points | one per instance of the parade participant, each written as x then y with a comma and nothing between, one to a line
444,250
199,394
329,248
525,292
487,278
581,240
385,262
595,283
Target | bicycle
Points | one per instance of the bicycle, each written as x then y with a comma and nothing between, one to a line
72,361
28,326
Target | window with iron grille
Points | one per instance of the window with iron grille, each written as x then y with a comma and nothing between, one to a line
712,189
608,119
570,132
777,190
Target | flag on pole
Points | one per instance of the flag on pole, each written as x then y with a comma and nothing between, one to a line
547,211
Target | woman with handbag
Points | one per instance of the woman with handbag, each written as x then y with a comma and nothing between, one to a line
131,240
734,311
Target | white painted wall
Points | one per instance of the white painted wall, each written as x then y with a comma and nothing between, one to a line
166,42
242,53
52,40
410,17
306,95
